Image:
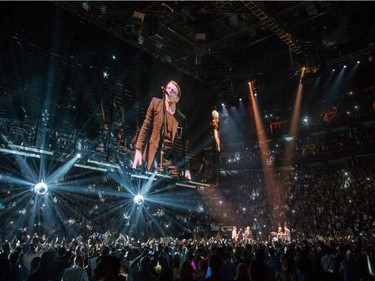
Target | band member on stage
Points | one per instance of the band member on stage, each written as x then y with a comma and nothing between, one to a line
287,234
215,126
280,233
234,234
216,147
157,134
247,234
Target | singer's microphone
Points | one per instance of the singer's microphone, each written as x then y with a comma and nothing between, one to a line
173,98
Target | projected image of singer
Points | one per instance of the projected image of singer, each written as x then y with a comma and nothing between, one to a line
154,146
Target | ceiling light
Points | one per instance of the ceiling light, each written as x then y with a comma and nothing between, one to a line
41,188
138,199
86,6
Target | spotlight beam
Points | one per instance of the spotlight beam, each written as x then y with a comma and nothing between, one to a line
26,169
264,148
289,154
17,181
62,171
122,181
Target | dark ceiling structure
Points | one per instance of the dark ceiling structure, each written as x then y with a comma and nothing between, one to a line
226,43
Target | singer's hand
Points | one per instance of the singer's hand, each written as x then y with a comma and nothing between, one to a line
137,158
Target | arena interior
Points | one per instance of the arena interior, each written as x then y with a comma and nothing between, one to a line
274,175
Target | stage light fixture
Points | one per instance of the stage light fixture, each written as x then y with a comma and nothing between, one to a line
41,188
86,6
138,199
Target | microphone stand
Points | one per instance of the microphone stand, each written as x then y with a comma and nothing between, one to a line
162,133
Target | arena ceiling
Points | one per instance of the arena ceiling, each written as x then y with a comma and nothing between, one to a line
227,43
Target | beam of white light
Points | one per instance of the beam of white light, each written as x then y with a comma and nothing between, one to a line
122,213
67,187
178,201
155,207
61,216
145,188
42,167
123,180
16,197
33,210
62,171
17,181
337,84
26,170
289,153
